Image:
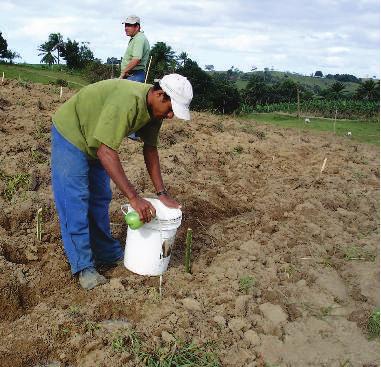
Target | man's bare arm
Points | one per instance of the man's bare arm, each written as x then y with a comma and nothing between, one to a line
151,159
111,163
129,67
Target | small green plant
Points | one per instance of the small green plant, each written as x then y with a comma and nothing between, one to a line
374,324
326,262
153,295
359,175
291,270
179,354
358,253
39,132
118,344
319,312
13,183
24,83
74,310
246,283
37,156
238,149
91,326
326,311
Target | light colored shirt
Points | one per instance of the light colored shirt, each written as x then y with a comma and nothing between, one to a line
138,48
106,112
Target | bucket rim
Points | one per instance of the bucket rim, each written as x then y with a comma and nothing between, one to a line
125,208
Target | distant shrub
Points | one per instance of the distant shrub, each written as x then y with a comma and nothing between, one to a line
225,97
61,82
95,71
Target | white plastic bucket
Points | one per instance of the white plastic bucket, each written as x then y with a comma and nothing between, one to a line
148,248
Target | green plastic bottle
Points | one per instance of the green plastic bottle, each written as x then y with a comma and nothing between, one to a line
133,220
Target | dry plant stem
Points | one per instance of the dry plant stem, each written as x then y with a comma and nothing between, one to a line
334,123
323,166
188,251
160,285
149,65
39,224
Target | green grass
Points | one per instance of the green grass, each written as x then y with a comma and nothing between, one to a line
358,253
246,283
176,354
14,183
42,74
362,131
374,324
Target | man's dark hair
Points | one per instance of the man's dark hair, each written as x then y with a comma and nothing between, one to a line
156,86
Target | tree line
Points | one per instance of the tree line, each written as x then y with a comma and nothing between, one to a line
213,91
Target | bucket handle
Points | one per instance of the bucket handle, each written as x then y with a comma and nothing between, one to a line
125,206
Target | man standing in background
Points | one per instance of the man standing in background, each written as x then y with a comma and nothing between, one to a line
136,56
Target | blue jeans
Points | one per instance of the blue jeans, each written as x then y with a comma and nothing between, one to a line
82,194
138,76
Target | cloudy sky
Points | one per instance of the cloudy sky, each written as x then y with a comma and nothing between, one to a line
334,36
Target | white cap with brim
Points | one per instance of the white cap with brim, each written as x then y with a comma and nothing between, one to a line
132,19
179,89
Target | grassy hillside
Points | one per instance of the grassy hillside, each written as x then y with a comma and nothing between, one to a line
42,74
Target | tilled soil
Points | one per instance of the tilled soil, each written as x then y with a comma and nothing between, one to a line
285,262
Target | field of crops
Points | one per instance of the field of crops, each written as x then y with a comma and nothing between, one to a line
347,109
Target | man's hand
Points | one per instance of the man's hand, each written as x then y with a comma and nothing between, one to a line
169,202
144,208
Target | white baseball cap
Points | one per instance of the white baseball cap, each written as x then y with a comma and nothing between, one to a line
180,90
132,19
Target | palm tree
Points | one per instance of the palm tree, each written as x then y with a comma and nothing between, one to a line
57,44
163,60
368,90
183,57
46,51
161,52
335,91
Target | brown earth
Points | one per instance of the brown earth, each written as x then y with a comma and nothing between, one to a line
285,258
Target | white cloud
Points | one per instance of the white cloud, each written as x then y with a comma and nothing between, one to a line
39,28
337,50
